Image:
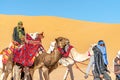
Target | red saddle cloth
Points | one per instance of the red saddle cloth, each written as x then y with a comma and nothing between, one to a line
26,54
65,53
6,54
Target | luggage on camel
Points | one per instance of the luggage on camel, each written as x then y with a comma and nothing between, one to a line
8,51
25,55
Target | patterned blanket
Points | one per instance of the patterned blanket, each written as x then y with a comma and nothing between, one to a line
65,53
26,54
6,52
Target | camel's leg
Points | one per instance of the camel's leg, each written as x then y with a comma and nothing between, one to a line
16,72
2,72
31,73
66,74
2,75
45,73
7,71
40,73
5,75
38,66
22,74
71,72
3,68
10,70
27,74
11,75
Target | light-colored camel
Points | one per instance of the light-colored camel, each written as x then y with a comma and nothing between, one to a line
6,68
74,57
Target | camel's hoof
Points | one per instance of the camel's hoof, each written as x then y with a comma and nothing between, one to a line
11,78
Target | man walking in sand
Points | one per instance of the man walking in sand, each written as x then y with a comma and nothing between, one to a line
102,47
100,70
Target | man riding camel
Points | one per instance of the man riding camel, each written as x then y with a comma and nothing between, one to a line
25,55
19,33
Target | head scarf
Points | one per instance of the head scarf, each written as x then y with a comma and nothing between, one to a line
100,42
20,33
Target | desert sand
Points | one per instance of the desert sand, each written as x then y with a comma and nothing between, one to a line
80,33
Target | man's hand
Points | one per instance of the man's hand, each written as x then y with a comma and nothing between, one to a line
108,69
101,76
86,76
15,43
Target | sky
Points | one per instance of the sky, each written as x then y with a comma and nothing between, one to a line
106,11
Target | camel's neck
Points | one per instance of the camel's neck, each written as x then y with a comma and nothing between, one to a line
56,56
10,57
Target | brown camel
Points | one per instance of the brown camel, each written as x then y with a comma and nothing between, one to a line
47,62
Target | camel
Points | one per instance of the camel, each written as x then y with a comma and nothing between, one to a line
74,57
8,66
46,62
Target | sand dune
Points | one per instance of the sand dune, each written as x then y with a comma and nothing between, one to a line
80,33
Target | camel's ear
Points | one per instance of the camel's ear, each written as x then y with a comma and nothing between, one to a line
56,40
67,41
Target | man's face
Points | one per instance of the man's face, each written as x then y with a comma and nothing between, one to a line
20,25
102,45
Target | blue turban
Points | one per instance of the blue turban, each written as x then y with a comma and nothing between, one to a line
101,42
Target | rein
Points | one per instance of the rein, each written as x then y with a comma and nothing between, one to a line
78,66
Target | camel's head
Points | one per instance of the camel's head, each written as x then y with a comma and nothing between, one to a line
61,42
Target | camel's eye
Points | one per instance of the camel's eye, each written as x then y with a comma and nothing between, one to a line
60,39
